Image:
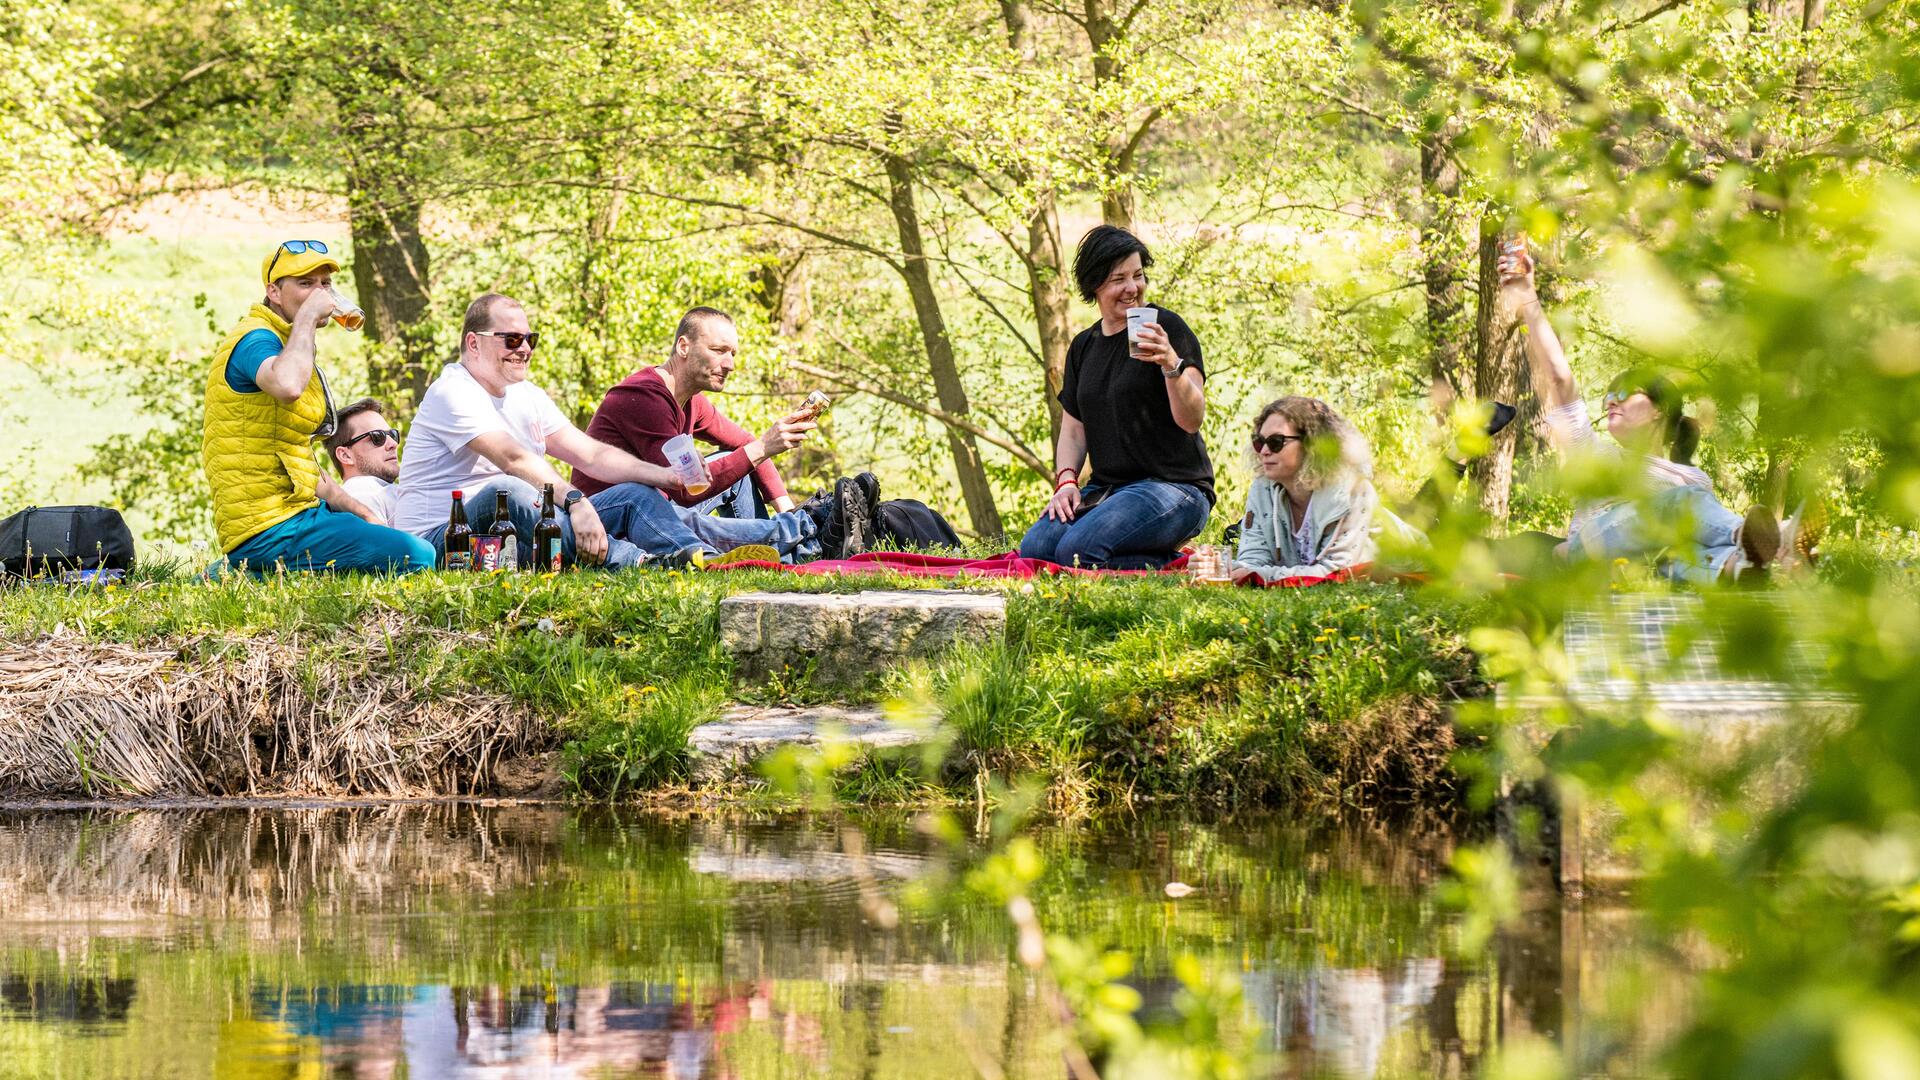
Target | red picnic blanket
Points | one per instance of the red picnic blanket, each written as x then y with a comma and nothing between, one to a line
1008,565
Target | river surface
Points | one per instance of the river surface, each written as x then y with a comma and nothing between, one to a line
470,941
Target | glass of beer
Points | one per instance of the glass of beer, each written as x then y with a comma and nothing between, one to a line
346,312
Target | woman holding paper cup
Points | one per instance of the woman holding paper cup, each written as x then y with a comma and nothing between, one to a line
1132,400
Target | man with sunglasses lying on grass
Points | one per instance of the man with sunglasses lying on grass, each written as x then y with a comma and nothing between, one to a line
366,449
266,401
483,427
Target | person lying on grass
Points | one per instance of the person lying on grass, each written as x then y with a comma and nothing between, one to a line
1677,523
1312,510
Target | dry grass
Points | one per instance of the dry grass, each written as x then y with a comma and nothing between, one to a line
261,717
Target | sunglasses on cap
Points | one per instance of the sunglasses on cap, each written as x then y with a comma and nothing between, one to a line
511,339
379,437
294,247
1273,444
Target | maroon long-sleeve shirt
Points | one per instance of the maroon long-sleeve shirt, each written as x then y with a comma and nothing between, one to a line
640,415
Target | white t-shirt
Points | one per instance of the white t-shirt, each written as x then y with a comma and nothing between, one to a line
438,460
373,493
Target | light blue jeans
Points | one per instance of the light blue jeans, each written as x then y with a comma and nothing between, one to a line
1147,518
1687,526
660,526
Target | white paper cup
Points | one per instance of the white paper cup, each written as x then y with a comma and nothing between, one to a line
1138,317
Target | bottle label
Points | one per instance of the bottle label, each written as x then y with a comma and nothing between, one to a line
459,560
509,554
550,558
486,553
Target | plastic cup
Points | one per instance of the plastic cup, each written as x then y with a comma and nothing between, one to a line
687,464
1138,317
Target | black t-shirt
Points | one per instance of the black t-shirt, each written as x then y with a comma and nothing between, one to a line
1123,403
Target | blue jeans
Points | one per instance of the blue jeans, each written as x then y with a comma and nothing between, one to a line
660,526
741,499
1688,523
324,540
523,508
1146,517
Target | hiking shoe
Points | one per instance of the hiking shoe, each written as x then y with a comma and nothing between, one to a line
1800,535
818,507
691,557
870,488
849,527
1759,543
745,553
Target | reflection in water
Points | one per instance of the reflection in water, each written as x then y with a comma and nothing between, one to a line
462,941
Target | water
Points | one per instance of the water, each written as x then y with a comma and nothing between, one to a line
466,941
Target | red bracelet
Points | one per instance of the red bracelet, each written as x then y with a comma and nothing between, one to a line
1074,479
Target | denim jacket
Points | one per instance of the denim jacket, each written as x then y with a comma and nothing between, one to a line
1340,528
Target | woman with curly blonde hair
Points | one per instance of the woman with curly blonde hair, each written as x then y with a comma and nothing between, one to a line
1311,510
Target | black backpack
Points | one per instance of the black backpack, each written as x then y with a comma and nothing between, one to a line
913,524
64,538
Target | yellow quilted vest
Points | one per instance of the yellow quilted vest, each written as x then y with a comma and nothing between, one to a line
258,451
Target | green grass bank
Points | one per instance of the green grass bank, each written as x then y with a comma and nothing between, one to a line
1108,690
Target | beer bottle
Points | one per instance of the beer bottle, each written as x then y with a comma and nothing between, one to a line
546,535
508,556
459,542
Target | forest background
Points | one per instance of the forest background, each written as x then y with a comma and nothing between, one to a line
887,194
888,199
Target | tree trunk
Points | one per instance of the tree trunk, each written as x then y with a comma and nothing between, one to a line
975,488
1047,284
1499,370
390,274
383,215
1116,190
1442,255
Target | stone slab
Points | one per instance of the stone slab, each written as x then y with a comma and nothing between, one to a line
844,639
729,748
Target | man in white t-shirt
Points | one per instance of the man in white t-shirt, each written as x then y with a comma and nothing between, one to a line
482,428
366,450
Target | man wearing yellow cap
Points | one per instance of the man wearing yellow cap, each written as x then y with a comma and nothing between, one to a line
266,403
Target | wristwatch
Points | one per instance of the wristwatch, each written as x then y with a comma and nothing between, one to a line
574,496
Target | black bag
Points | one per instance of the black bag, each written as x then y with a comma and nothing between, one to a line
64,538
911,523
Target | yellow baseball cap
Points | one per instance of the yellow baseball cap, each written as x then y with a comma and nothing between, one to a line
294,258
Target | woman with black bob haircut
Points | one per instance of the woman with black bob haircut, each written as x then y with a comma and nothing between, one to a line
1137,413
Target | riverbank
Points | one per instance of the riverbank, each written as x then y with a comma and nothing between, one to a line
587,686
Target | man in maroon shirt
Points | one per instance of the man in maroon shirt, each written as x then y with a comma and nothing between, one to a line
655,404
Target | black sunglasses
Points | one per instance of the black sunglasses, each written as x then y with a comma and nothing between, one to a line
379,437
294,247
1273,444
512,340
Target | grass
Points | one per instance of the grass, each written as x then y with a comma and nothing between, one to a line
1108,690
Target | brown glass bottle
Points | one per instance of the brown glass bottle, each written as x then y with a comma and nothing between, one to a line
508,557
459,541
546,535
